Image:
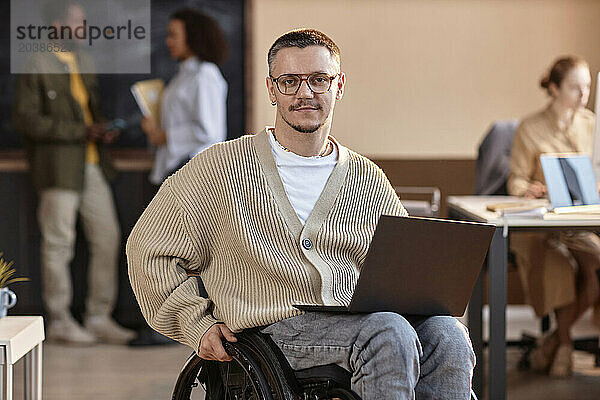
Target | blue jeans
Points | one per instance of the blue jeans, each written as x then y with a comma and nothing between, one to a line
388,356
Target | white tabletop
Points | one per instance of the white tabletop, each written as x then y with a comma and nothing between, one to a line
474,207
19,334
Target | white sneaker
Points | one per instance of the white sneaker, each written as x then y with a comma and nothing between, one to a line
108,331
67,330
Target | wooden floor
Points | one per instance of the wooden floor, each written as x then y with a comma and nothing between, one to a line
106,372
584,385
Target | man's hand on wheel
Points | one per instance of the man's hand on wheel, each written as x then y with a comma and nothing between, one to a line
211,346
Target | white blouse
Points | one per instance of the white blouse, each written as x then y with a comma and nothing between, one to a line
193,114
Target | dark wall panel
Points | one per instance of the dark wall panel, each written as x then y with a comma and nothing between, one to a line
20,242
117,101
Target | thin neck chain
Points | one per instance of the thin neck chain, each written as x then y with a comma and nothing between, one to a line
324,153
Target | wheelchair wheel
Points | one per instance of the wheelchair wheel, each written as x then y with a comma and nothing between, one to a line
243,378
239,379
251,350
187,379
251,375
342,394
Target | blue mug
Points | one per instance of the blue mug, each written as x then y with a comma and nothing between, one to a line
8,299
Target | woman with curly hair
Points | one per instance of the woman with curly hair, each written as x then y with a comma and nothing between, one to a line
193,106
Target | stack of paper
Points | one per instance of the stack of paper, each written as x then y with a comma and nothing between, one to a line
148,95
572,216
585,209
537,212
591,211
521,209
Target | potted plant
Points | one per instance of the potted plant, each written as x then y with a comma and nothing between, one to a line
8,298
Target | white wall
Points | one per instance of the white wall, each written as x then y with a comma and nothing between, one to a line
425,78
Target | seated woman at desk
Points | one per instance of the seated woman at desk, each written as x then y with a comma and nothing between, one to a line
558,270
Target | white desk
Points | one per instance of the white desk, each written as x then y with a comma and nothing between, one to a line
474,208
22,336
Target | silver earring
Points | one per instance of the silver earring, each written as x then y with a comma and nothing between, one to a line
273,103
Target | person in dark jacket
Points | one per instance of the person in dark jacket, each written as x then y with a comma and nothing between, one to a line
65,133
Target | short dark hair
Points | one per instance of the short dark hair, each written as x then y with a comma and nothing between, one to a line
302,38
57,10
203,35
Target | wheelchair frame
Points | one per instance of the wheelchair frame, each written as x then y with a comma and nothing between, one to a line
259,365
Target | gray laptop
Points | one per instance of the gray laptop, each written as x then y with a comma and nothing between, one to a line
570,180
418,266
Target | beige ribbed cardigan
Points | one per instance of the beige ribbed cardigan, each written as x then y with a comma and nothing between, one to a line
225,216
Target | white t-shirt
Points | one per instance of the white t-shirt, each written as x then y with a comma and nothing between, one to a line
303,177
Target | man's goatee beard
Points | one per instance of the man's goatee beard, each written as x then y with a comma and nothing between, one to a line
304,129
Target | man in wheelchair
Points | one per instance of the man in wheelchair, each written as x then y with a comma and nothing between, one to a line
285,217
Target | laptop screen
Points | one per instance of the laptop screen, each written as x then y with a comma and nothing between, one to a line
570,180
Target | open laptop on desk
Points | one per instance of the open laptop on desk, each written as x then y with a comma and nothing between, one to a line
571,183
418,266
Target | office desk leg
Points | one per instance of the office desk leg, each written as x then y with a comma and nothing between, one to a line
33,374
497,266
476,333
7,382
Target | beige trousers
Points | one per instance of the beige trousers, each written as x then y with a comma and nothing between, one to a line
57,215
547,268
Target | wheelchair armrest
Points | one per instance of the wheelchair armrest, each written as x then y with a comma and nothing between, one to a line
432,191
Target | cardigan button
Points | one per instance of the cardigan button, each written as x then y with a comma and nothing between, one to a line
307,244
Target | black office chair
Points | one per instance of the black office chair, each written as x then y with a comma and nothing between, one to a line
492,172
260,371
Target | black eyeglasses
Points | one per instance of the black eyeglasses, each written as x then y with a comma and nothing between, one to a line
318,82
